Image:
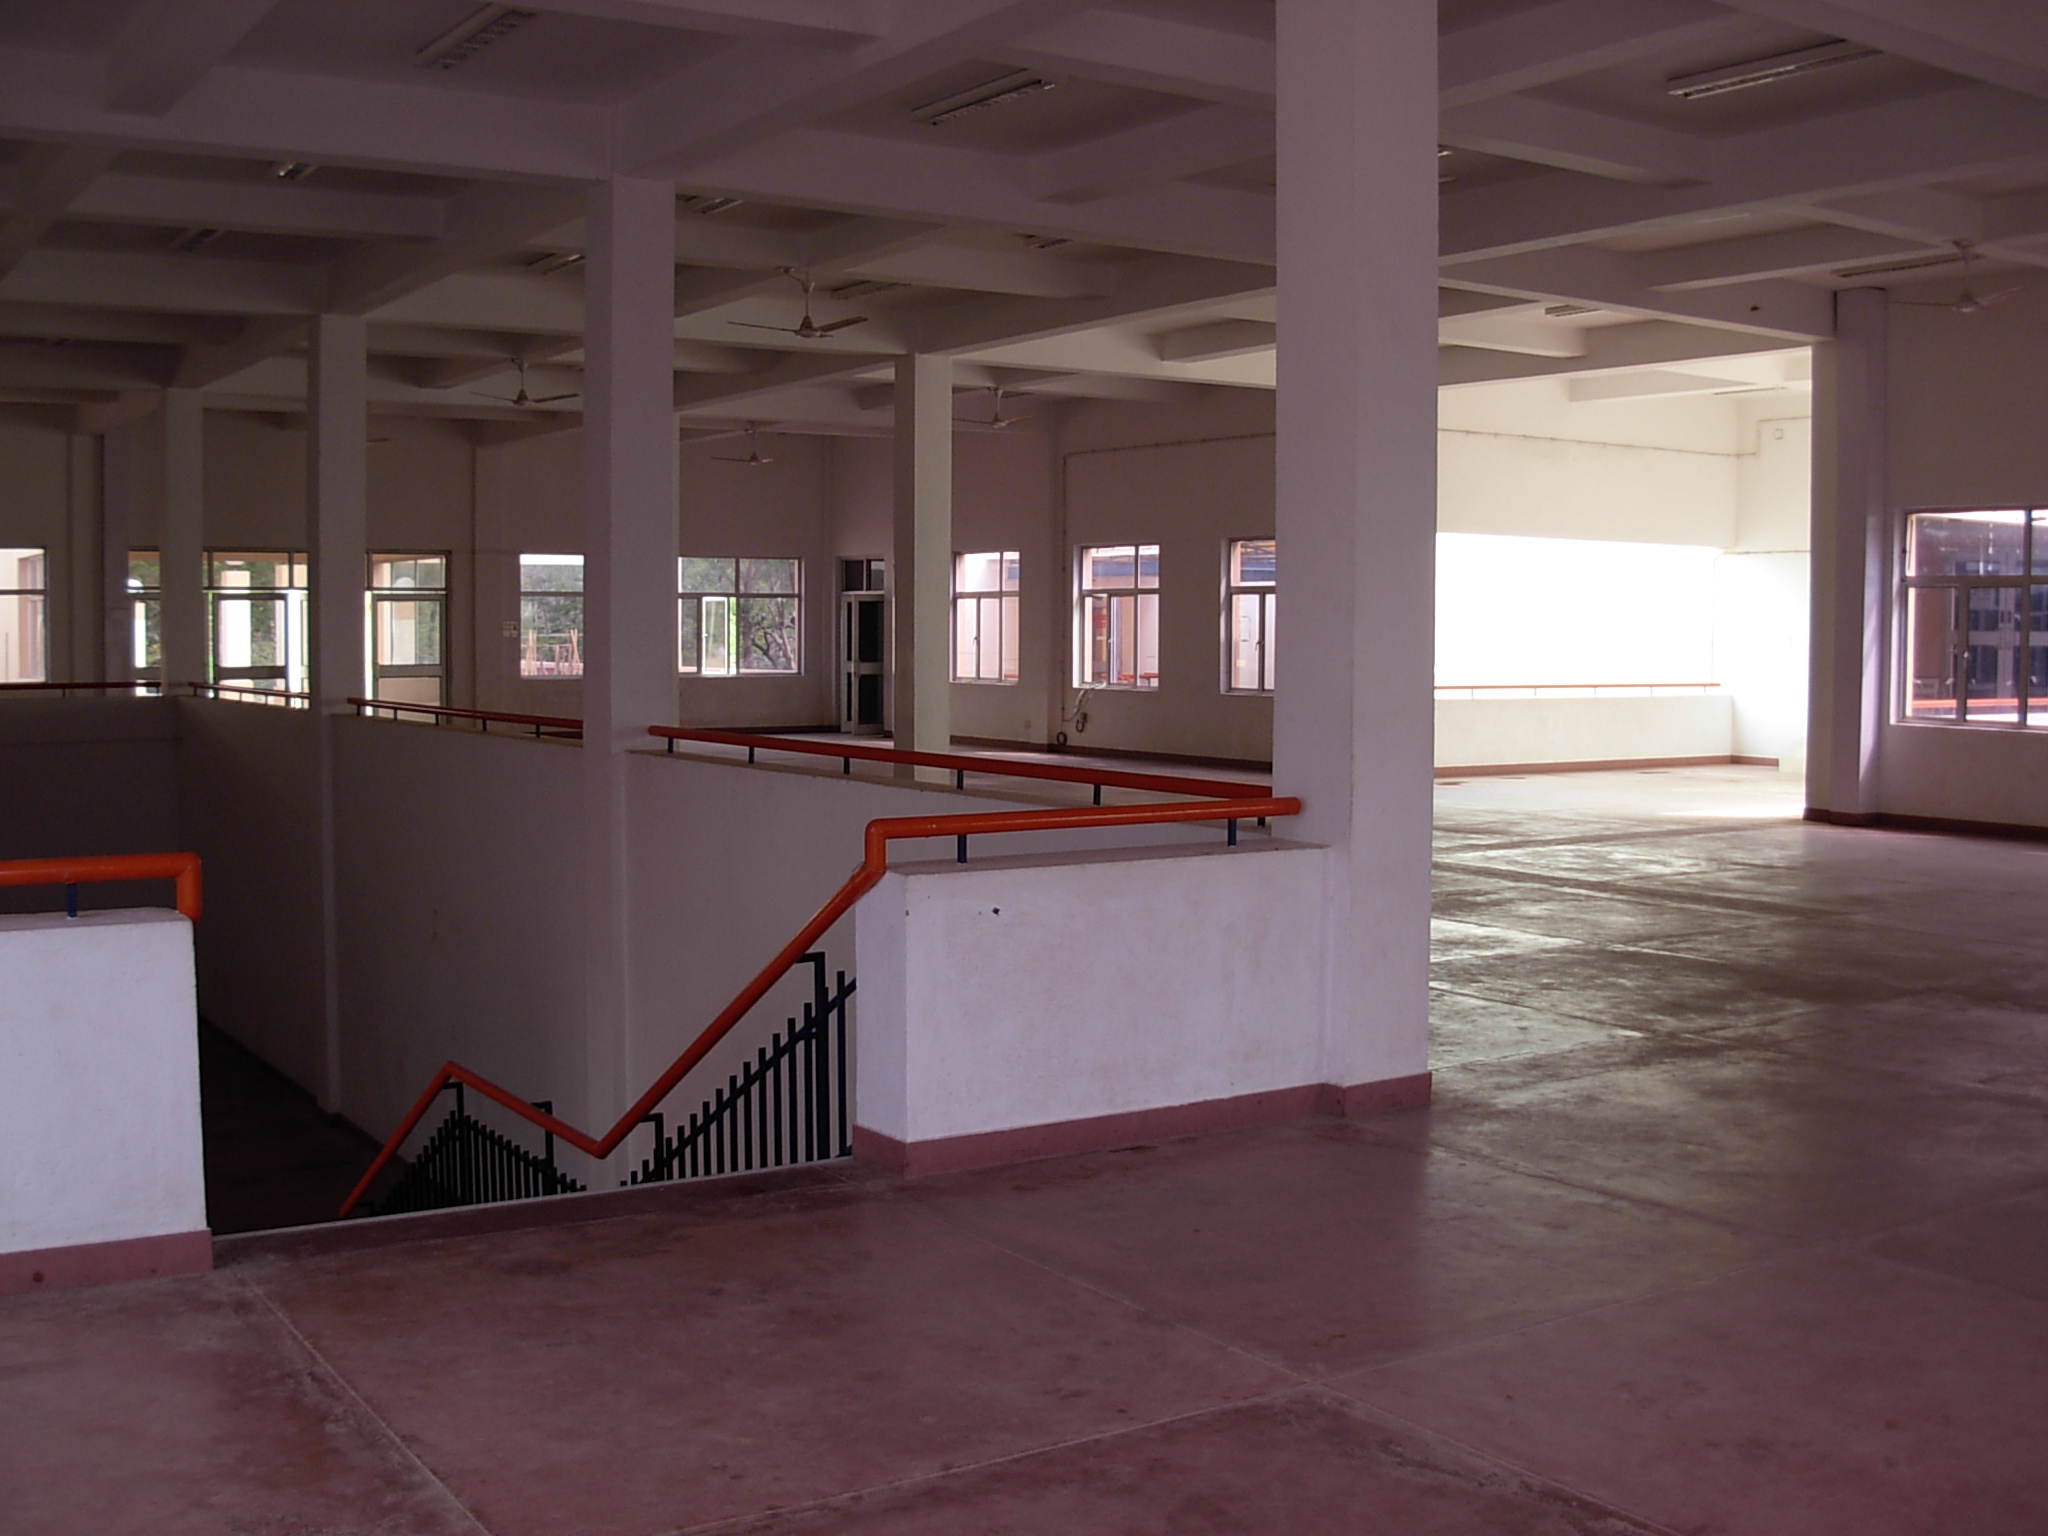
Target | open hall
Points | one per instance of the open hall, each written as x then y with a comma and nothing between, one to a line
772,933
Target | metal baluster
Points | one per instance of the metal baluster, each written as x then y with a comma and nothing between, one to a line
845,1123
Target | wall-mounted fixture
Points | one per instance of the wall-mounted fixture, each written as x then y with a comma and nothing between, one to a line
466,39
1007,87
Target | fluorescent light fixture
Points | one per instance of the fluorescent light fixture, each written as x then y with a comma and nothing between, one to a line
466,39
293,170
1567,311
1909,264
709,205
990,93
1766,71
194,239
555,261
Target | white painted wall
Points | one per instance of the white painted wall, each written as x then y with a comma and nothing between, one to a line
1473,733
984,991
99,1080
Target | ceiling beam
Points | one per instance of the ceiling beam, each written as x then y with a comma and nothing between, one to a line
1569,138
757,90
73,323
258,341
1612,280
1556,41
1152,53
266,207
1163,289
1648,343
174,283
169,46
695,391
1522,330
1782,253
483,221
2000,42
1217,338
1183,145
46,185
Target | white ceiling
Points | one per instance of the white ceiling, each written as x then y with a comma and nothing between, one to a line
1103,225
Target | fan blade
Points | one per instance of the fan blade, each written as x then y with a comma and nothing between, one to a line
501,399
753,325
551,399
1997,298
838,325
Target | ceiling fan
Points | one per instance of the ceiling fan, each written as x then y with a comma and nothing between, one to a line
753,450
805,329
996,418
522,398
1969,301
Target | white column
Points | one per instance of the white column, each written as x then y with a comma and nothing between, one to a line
85,619
1851,562
184,540
337,485
921,565
1356,524
337,493
629,580
117,521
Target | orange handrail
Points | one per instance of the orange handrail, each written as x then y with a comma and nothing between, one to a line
956,762
100,685
874,864
448,711
181,867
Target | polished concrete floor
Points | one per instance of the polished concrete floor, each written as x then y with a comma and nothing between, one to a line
1730,1216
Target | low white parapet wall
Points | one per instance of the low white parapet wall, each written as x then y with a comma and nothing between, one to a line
1026,1007
1500,733
104,1176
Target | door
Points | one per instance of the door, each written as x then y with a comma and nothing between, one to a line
861,652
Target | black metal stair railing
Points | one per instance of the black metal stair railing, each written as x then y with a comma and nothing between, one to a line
788,1105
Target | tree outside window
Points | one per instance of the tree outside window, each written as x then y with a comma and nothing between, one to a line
550,615
738,616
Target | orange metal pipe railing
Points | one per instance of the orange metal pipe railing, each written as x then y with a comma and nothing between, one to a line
567,725
957,762
874,864
180,867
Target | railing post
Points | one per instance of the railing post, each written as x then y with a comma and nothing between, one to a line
960,852
1232,824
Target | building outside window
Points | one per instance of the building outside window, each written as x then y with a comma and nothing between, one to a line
985,619
407,632
737,617
24,628
256,618
1118,617
146,603
1249,577
1975,637
550,615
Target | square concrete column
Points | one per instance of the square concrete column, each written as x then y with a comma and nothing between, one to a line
85,620
117,522
1353,712
337,487
1851,563
921,572
184,541
629,578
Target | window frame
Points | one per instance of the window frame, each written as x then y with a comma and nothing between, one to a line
2033,575
28,601
292,598
1006,601
1268,594
731,601
539,557
376,597
1088,600
145,612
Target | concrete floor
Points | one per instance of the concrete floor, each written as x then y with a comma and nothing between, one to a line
1731,1216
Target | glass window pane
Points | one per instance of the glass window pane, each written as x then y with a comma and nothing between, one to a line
553,573
966,637
1272,604
768,633
248,633
1146,641
1095,641
1148,565
1109,568
260,570
149,634
1244,642
717,637
688,634
23,643
979,572
1966,544
1010,647
778,576
696,573
1991,658
145,570
1252,563
551,633
408,632
989,630
2037,660
1932,640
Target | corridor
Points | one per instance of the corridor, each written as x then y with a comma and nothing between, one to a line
1730,1215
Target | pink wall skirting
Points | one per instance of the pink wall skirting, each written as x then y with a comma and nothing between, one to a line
134,1258
1102,1133
1892,821
1602,765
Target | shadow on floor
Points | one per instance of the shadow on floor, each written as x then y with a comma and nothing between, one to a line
274,1158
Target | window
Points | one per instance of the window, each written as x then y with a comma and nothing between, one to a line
985,616
256,614
1118,617
24,654
1976,631
146,599
407,603
1248,594
736,617
550,615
